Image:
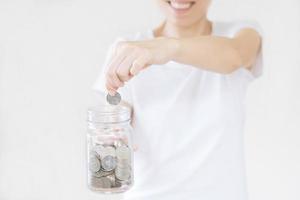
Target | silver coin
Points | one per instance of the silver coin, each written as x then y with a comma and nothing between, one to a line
101,173
123,152
108,163
106,183
102,182
94,153
123,160
120,183
113,100
99,149
103,151
123,174
94,164
123,168
109,150
112,179
123,163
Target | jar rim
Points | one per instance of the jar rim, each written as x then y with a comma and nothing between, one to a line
109,114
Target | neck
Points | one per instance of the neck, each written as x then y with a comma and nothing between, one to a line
168,29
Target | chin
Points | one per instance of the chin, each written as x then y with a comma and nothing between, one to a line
183,22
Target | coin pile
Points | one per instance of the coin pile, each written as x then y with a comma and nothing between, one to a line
123,165
109,165
113,99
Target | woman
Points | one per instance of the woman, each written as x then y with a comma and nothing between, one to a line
186,82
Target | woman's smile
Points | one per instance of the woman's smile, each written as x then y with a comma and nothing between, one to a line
181,6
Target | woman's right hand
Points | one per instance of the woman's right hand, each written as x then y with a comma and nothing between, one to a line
130,57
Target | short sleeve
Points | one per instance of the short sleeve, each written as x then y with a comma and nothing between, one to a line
99,85
257,68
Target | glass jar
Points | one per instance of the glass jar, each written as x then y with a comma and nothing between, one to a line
109,149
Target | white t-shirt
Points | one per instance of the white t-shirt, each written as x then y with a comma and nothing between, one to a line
188,125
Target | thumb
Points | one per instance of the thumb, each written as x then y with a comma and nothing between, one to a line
138,65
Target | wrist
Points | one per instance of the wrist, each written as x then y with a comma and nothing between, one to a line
173,47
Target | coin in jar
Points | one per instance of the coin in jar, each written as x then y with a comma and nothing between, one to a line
101,173
113,99
109,150
102,182
123,152
123,163
112,179
94,163
98,149
123,174
108,163
120,183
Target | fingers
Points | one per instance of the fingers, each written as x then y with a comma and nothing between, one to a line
126,62
123,71
139,64
111,90
113,82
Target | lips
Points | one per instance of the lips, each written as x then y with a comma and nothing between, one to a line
181,5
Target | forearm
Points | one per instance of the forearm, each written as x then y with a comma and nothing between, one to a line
218,54
212,53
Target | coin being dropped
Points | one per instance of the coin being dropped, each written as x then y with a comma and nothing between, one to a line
113,100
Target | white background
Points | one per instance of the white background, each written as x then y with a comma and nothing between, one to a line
50,54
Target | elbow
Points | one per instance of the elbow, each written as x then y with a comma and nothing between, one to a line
233,61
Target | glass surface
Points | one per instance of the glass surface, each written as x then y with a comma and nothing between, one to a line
109,150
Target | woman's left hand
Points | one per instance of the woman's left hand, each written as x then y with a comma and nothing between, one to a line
130,57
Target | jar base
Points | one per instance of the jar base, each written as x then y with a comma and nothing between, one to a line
110,190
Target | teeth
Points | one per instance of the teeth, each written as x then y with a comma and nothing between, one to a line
177,5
